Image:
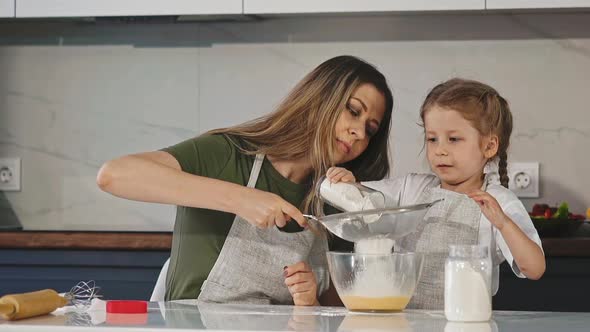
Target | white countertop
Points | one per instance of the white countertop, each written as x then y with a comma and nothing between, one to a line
167,316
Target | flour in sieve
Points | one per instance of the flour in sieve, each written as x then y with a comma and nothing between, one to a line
347,197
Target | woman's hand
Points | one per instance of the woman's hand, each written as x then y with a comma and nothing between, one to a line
301,283
490,208
263,209
339,174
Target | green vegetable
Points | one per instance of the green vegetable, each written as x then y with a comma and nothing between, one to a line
562,211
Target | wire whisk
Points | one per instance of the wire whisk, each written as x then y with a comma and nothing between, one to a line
81,295
78,319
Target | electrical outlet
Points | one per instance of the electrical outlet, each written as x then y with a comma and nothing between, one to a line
10,174
524,178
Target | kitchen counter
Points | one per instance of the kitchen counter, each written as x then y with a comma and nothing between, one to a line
189,314
554,247
127,264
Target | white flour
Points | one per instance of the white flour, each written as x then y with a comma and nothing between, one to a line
376,245
342,195
376,279
467,296
347,197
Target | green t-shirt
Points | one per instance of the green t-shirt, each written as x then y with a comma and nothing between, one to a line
199,234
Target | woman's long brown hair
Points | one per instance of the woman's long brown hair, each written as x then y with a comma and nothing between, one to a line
302,126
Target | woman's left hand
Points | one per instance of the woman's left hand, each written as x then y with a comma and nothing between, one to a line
489,207
302,284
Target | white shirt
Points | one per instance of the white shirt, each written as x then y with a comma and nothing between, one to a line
407,190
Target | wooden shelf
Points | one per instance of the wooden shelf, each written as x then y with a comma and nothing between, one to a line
554,247
86,240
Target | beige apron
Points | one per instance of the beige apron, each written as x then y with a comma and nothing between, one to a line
249,268
452,221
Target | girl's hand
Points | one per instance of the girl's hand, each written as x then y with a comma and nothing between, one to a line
337,174
263,209
301,283
527,254
490,208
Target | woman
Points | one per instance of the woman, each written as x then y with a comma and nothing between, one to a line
259,174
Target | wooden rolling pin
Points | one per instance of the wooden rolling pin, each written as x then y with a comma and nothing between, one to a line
19,306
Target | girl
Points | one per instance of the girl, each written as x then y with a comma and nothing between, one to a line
232,187
467,127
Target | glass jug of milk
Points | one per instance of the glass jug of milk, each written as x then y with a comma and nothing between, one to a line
468,276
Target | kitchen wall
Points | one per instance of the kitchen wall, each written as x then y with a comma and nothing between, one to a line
73,94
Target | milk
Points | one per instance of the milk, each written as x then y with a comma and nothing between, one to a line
467,294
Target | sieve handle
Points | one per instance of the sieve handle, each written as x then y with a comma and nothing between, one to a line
312,217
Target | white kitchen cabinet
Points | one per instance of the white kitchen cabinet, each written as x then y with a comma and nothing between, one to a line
356,6
7,8
90,8
536,4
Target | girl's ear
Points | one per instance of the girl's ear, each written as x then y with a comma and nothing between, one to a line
491,147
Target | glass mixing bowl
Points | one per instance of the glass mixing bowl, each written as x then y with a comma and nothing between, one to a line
375,282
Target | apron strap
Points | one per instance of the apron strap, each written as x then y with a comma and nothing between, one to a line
255,170
251,183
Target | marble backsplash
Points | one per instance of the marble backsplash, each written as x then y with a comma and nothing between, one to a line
73,95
